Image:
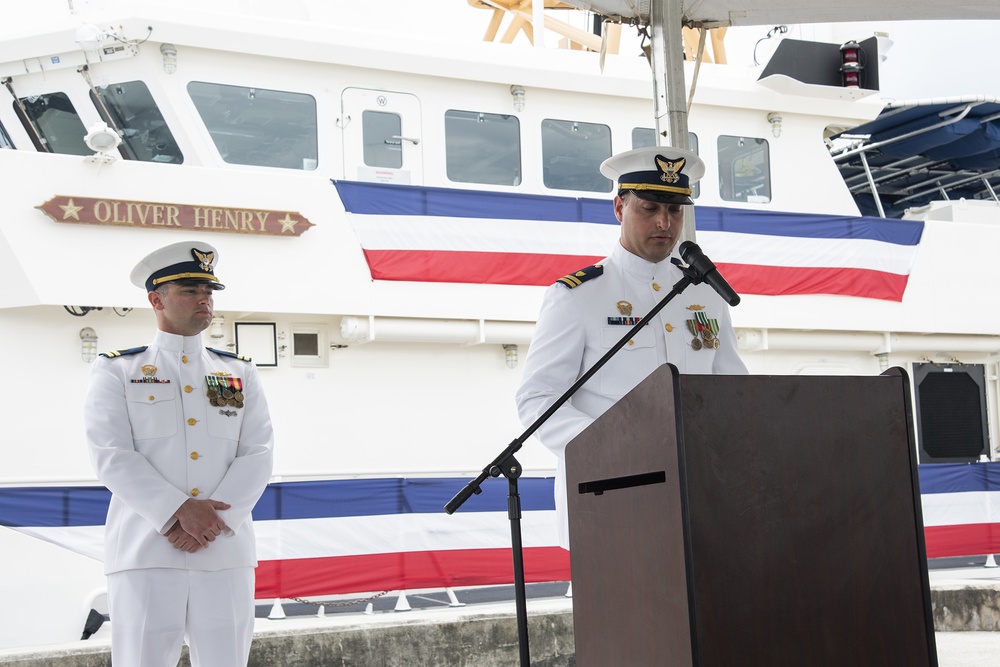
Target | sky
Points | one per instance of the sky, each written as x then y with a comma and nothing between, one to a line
927,59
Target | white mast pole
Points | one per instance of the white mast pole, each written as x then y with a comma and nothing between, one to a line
670,100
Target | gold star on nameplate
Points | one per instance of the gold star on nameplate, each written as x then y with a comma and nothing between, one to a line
288,224
70,210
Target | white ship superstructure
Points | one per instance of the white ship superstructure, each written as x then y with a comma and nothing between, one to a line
388,214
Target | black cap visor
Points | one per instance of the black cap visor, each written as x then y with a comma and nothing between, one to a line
214,284
662,197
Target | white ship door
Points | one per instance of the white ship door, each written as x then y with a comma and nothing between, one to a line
382,139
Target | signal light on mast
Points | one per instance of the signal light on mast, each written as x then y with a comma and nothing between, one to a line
851,66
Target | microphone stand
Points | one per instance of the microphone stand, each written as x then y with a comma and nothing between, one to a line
505,464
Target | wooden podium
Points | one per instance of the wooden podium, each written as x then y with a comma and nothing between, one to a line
750,520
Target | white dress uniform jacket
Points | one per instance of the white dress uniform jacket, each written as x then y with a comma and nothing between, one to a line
155,440
577,326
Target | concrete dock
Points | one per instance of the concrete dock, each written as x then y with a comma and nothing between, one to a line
965,601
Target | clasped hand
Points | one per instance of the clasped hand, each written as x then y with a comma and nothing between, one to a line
198,523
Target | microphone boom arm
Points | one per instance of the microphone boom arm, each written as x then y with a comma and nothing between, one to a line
691,277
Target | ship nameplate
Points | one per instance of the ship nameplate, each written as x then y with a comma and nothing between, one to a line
166,215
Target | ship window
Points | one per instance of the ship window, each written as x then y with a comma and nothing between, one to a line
744,169
572,154
5,141
145,136
259,127
643,137
382,134
482,147
58,125
309,346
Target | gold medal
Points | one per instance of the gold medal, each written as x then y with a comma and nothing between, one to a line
220,401
707,335
213,394
227,393
238,404
696,343
238,396
715,343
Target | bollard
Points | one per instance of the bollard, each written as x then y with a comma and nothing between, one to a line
276,610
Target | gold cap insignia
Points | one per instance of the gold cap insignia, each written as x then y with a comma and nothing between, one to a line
669,170
206,259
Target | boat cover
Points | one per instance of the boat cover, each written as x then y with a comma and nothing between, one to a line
924,151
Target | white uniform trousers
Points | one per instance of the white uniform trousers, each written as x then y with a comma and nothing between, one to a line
153,610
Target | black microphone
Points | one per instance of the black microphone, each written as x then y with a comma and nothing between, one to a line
703,266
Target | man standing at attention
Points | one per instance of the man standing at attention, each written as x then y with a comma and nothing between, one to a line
181,435
585,313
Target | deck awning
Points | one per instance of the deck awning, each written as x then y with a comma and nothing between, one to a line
921,151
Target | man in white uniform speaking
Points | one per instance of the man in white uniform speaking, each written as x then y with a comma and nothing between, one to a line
586,313
181,436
